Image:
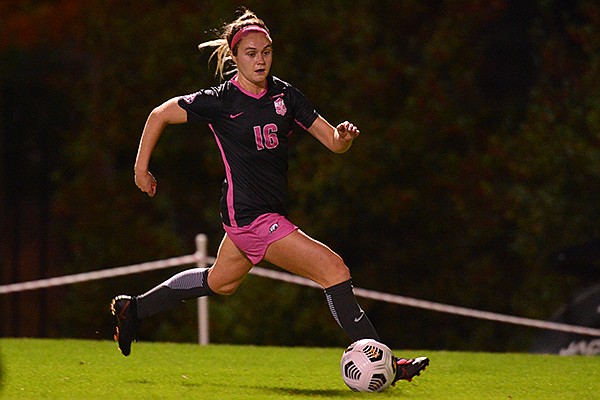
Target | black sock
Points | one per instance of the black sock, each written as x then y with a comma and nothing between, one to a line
183,286
347,313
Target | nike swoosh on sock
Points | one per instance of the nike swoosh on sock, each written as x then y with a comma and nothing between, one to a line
357,319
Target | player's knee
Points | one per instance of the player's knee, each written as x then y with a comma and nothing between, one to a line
338,272
342,273
223,287
226,290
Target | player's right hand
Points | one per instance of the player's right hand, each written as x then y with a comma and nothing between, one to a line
146,182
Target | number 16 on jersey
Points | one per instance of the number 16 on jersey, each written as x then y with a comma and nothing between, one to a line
266,138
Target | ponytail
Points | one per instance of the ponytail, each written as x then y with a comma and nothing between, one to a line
223,44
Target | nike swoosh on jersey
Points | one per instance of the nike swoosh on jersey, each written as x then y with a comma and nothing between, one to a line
233,116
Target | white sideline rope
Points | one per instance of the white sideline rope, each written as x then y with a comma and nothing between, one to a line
290,278
433,306
468,312
101,274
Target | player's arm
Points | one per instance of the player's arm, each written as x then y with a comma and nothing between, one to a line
338,139
167,113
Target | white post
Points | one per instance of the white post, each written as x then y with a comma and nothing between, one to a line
201,254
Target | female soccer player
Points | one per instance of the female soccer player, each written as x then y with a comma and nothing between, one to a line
250,115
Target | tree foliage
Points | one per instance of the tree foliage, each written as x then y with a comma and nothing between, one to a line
479,155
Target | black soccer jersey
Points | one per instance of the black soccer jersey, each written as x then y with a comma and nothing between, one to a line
251,132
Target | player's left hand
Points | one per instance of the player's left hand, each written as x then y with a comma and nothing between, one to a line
347,130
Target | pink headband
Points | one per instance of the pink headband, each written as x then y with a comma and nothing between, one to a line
244,31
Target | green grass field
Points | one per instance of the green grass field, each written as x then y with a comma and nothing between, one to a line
78,369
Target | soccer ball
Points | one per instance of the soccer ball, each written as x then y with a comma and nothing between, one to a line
368,366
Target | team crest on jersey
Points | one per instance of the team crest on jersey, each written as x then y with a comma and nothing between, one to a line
280,107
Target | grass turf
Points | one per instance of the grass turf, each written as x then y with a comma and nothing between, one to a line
78,369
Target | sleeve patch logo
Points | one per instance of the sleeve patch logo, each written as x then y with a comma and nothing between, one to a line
189,99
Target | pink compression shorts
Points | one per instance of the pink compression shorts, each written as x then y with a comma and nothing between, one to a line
254,239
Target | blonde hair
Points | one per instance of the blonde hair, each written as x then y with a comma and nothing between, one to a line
222,44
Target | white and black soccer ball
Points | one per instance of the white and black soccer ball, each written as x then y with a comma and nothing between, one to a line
368,366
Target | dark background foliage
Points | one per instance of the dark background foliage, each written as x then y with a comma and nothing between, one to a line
479,159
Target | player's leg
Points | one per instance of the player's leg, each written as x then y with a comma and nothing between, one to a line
300,254
228,271
304,256
230,268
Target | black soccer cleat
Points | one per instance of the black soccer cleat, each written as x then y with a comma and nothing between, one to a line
127,322
408,369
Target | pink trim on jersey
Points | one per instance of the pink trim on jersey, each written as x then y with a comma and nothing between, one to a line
230,207
301,125
247,93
